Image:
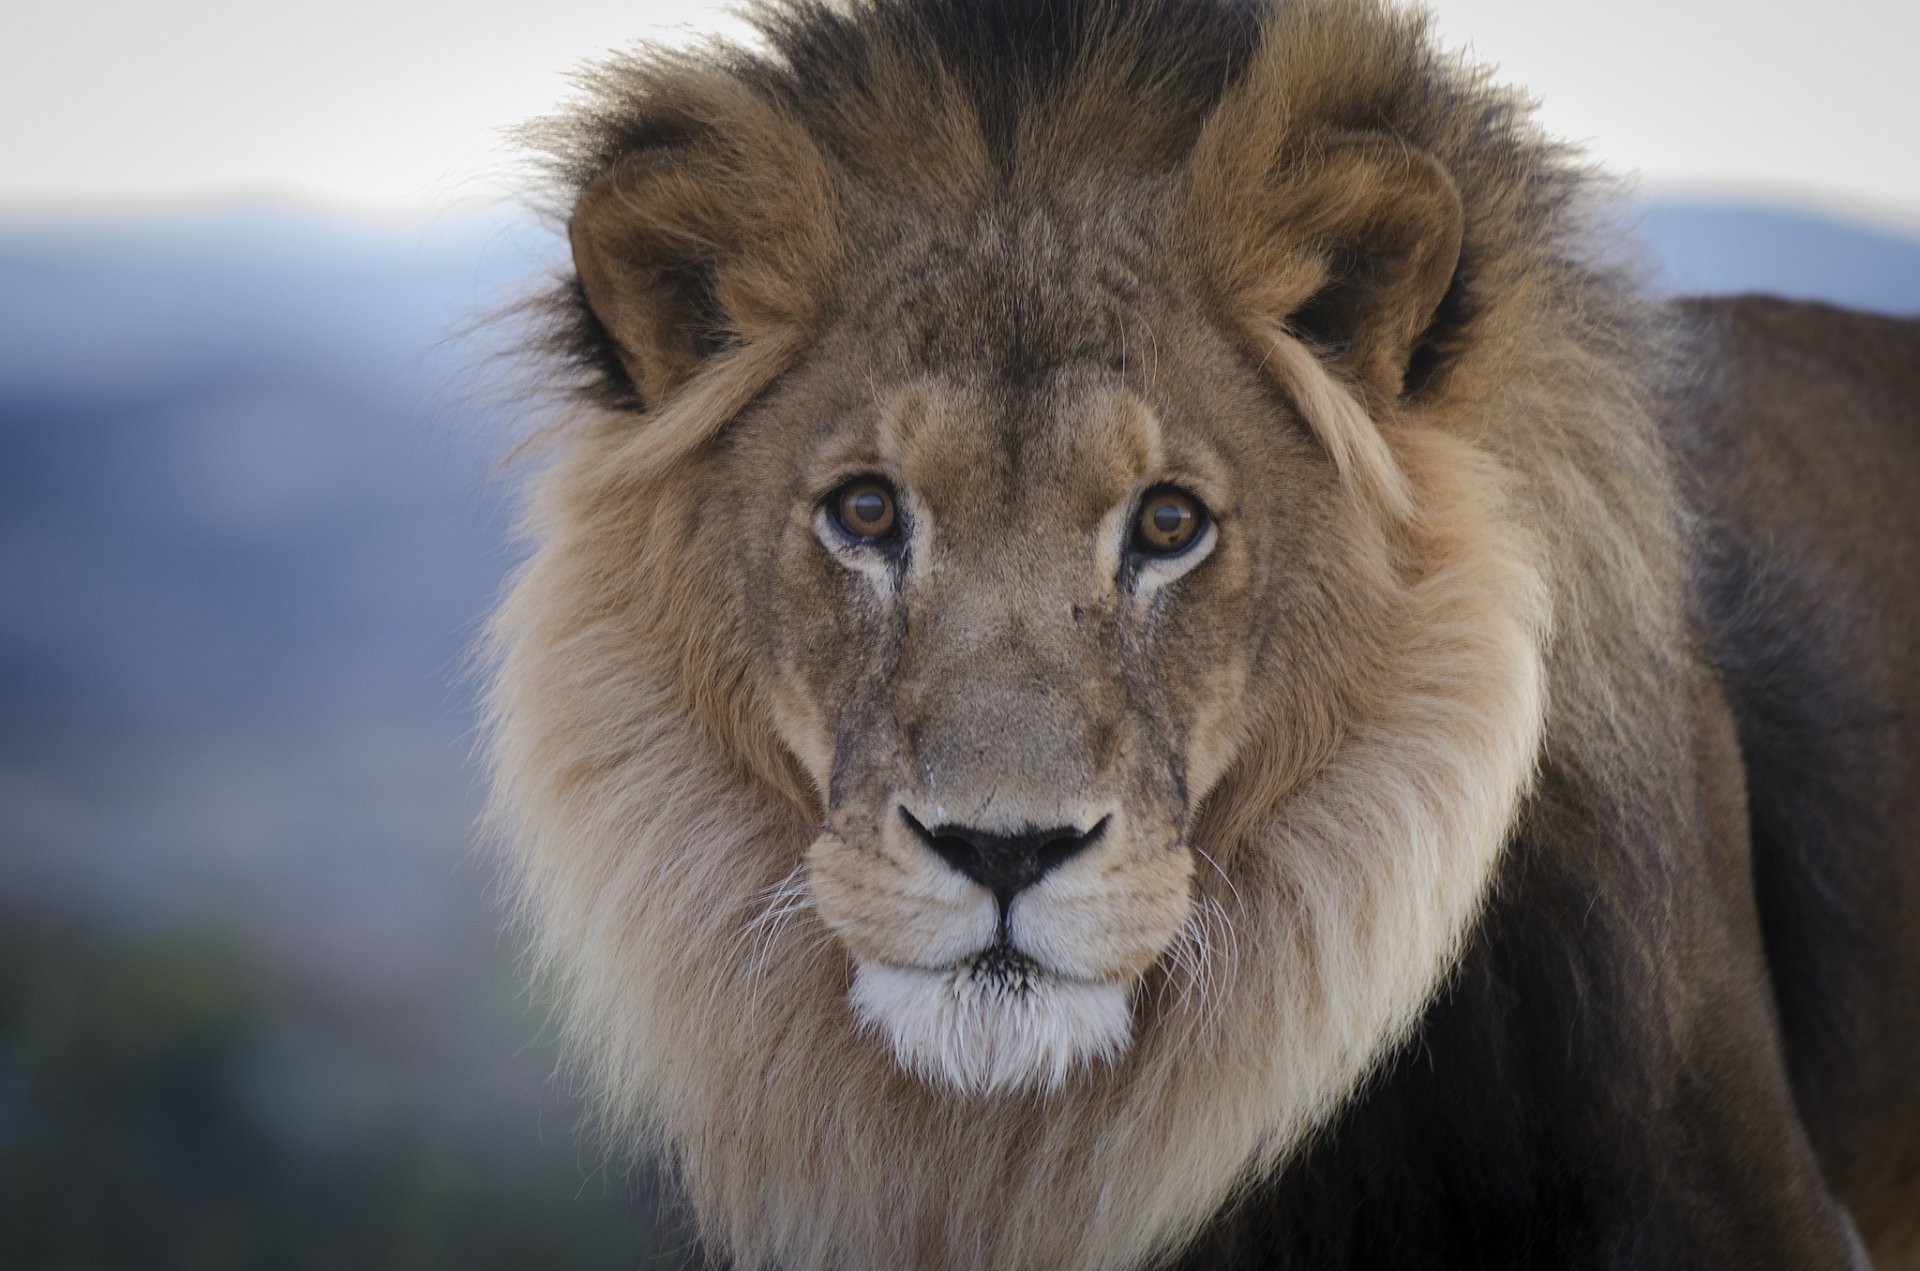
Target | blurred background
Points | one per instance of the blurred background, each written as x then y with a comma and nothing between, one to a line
255,1008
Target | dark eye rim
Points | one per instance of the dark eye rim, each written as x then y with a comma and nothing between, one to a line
1203,518
891,536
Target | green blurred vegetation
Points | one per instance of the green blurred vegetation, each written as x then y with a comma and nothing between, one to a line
134,1133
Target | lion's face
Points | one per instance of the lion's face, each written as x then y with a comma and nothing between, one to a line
1016,633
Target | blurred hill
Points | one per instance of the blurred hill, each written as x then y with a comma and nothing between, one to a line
254,1003
1719,248
252,998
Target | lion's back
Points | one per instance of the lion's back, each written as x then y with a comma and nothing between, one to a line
1802,429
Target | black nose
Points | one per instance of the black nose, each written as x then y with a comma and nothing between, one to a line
1006,864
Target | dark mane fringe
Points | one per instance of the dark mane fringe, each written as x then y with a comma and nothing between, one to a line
1159,66
1013,57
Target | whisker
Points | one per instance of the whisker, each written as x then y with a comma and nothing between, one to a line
1207,856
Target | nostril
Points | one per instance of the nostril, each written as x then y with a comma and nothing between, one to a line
957,850
1005,864
1064,847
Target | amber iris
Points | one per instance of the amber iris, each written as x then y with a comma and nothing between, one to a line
864,508
1170,520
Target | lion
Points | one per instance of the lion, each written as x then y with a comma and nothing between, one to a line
1141,650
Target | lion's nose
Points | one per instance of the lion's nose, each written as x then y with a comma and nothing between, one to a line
1006,864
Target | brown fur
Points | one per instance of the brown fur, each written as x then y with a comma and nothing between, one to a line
1805,438
1309,269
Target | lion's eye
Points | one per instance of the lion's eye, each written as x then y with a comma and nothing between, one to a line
864,509
1170,519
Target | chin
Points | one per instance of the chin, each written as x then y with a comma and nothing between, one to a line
995,1023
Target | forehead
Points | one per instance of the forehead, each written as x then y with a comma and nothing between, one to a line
1081,439
1022,292
1024,348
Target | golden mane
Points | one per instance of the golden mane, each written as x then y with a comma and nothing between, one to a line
656,822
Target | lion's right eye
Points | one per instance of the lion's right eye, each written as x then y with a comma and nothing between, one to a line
1169,521
864,510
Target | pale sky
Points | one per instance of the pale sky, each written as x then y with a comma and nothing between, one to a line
397,107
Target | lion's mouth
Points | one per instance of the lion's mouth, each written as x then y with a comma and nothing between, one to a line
1001,968
996,1021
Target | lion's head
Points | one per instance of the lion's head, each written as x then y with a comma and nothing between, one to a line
1017,596
1032,647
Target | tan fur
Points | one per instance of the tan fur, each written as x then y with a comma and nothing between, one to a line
665,770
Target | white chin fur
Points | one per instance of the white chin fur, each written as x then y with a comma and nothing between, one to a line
983,1033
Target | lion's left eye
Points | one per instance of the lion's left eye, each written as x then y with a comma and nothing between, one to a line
864,509
1170,520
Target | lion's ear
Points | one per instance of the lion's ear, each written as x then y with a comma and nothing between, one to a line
646,284
719,236
1386,222
1352,246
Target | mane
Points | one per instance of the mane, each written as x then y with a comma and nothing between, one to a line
656,827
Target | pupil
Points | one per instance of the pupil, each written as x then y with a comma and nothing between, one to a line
1169,518
868,508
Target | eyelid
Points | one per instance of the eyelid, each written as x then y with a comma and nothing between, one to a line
1203,483
842,475
1206,533
1162,569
